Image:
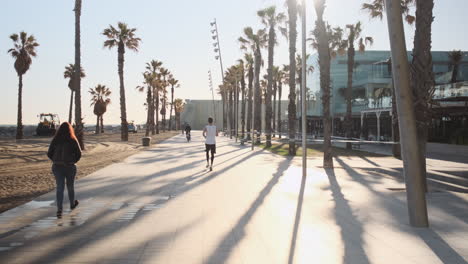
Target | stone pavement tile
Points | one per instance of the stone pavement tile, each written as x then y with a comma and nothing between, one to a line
155,258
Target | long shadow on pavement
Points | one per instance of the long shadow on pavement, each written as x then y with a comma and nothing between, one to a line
224,248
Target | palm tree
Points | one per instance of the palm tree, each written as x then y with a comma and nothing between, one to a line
422,76
241,67
272,21
322,45
455,58
250,74
148,82
353,35
275,89
174,83
292,30
68,74
282,78
309,69
255,42
24,49
79,127
122,37
153,67
179,108
164,74
100,99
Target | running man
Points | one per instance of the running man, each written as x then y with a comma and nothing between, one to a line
210,133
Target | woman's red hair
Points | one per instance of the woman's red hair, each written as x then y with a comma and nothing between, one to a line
65,132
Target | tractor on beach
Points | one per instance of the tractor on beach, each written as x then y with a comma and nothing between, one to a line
48,124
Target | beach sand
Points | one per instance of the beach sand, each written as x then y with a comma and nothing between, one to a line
25,170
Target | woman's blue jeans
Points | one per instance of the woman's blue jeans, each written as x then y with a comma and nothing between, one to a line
64,173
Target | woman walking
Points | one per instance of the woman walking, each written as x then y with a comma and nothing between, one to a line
64,151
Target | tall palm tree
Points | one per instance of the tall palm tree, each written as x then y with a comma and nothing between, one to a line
249,61
100,99
292,31
179,108
148,82
275,89
153,67
79,127
422,76
282,78
121,37
24,49
455,58
322,43
272,21
353,37
309,69
243,96
164,74
68,74
174,84
255,42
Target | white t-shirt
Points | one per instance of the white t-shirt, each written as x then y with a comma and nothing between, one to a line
210,134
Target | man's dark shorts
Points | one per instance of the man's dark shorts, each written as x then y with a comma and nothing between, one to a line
210,147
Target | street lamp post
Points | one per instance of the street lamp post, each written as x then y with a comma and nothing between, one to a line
217,50
413,170
212,94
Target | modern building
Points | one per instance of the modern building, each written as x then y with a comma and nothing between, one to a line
372,97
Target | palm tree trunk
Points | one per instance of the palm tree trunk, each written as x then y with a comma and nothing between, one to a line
231,118
70,112
348,121
268,110
324,62
156,111
243,104
172,104
250,101
79,131
292,14
102,123
19,121
279,107
275,88
149,103
97,125
258,95
422,77
123,109
396,148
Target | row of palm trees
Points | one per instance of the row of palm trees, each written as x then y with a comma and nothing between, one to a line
328,41
156,80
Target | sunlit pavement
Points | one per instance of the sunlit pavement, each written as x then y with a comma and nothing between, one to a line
163,206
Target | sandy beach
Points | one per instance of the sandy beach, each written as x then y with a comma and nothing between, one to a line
25,170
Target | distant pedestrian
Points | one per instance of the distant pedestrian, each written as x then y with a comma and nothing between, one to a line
64,151
210,133
188,129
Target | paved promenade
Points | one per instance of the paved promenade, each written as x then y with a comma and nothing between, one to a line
163,206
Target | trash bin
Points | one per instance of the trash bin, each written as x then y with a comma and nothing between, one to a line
146,141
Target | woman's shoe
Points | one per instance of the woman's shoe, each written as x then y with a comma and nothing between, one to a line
75,204
59,214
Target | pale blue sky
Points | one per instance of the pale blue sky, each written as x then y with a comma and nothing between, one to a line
175,32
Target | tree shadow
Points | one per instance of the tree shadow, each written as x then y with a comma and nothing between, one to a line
345,218
224,248
297,220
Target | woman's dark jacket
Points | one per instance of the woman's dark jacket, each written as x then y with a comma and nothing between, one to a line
64,151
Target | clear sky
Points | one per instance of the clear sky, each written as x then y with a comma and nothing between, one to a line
176,32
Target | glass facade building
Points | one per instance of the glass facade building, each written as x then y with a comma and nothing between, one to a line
372,90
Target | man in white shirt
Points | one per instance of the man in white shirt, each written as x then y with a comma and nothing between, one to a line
210,133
